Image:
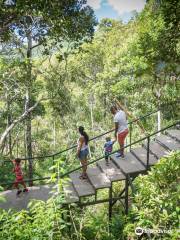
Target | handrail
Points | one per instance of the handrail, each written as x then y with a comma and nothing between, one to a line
74,146
140,140
100,158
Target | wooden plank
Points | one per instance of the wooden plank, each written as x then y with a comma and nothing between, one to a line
141,154
156,149
129,164
97,178
168,142
111,171
174,133
82,186
70,193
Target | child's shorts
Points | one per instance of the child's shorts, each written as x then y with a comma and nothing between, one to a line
83,154
107,156
18,181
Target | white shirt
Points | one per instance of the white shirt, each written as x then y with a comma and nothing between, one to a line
120,118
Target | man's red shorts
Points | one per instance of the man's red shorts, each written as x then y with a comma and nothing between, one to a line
122,136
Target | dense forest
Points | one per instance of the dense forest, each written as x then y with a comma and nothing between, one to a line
60,69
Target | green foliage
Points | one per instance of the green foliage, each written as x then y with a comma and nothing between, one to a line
155,205
135,63
1,197
64,20
93,224
27,28
80,88
42,221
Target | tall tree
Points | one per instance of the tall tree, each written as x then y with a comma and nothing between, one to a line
29,25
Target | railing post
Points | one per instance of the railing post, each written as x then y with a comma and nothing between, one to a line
148,143
58,177
159,122
130,135
53,165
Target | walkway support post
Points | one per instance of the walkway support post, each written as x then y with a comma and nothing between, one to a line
110,203
148,143
126,195
130,135
54,170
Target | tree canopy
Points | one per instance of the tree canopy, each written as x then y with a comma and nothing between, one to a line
59,69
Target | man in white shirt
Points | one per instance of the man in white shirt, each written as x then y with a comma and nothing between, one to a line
121,128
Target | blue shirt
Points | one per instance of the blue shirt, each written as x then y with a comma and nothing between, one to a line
108,146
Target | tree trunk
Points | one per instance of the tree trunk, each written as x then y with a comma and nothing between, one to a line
27,106
29,147
15,122
54,136
105,105
9,120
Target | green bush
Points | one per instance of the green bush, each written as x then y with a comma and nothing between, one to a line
156,202
155,207
43,221
1,197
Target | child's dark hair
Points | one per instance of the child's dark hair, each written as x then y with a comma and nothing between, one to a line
108,139
84,134
17,160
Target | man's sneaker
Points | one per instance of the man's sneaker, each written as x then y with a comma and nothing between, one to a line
18,192
118,154
25,190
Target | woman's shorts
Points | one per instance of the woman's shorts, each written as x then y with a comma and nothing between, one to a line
83,154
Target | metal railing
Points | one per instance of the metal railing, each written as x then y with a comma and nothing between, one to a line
148,138
98,136
128,145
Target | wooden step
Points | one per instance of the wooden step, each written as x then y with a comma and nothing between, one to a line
70,193
82,187
168,142
111,171
97,178
156,149
128,165
174,133
141,154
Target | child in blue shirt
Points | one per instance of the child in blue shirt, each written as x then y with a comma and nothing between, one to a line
108,147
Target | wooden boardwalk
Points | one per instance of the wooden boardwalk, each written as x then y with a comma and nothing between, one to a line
21,202
101,176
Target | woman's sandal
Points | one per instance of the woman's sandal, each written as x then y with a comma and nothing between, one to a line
83,176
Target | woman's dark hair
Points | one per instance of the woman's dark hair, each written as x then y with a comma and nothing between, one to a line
84,134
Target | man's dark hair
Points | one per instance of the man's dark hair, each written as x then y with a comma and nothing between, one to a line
84,134
113,107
